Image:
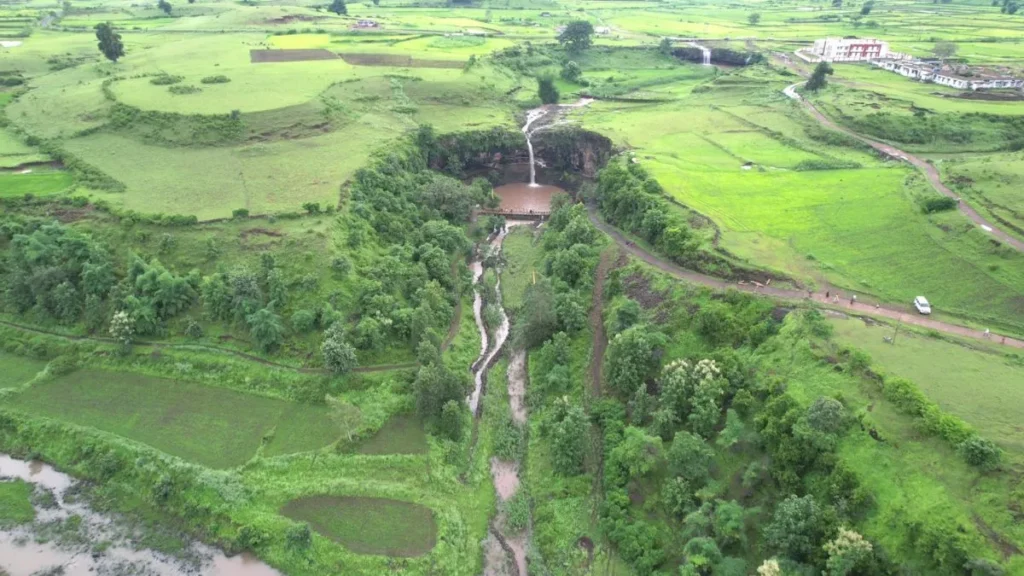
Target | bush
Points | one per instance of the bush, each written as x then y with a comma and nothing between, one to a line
508,440
940,204
218,79
906,396
165,80
240,213
303,320
517,512
980,452
184,89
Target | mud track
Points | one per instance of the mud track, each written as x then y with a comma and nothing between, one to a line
861,308
931,173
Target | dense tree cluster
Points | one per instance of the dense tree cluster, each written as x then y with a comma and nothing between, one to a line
629,198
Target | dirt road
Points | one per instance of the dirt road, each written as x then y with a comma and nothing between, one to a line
859,308
930,171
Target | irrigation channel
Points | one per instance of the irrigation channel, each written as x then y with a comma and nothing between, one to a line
69,538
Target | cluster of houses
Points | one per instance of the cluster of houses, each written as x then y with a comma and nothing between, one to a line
877,52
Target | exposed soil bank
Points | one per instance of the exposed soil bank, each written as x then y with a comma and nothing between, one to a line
67,537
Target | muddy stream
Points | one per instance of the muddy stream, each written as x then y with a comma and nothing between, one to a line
67,537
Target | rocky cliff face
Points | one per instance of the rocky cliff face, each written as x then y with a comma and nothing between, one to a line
573,149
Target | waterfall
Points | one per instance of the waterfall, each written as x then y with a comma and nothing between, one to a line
704,52
532,117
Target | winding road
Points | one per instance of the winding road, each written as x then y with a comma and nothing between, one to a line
930,172
784,294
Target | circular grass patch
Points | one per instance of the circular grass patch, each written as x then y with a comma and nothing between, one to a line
368,525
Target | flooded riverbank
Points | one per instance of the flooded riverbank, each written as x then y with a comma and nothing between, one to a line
69,538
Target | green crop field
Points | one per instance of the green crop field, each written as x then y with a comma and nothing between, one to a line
369,525
214,427
237,295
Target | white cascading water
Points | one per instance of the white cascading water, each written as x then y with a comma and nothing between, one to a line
705,53
538,113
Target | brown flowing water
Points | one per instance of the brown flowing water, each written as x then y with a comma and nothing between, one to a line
31,548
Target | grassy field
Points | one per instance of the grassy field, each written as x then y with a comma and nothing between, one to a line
15,507
17,370
368,525
980,385
992,183
401,434
524,263
859,228
213,427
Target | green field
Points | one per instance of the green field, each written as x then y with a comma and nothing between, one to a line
214,427
401,434
17,370
368,525
980,385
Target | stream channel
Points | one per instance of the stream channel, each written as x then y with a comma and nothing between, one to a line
505,475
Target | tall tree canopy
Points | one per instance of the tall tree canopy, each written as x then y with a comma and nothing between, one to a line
110,42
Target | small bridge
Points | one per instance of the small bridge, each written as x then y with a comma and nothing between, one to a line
539,215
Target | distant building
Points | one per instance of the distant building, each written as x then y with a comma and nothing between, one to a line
853,50
603,30
367,24
959,77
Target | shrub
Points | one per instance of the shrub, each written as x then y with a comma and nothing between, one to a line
240,213
940,204
906,396
303,320
946,426
165,80
508,441
218,79
184,89
980,452
517,512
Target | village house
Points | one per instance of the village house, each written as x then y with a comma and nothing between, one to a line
367,24
959,77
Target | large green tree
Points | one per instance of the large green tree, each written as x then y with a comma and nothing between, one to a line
818,79
577,36
546,90
338,7
110,42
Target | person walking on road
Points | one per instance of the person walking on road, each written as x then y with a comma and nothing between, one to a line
827,294
853,300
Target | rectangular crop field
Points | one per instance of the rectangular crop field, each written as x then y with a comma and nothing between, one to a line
215,427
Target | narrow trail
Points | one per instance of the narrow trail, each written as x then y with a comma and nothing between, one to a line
596,363
784,294
597,324
931,173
